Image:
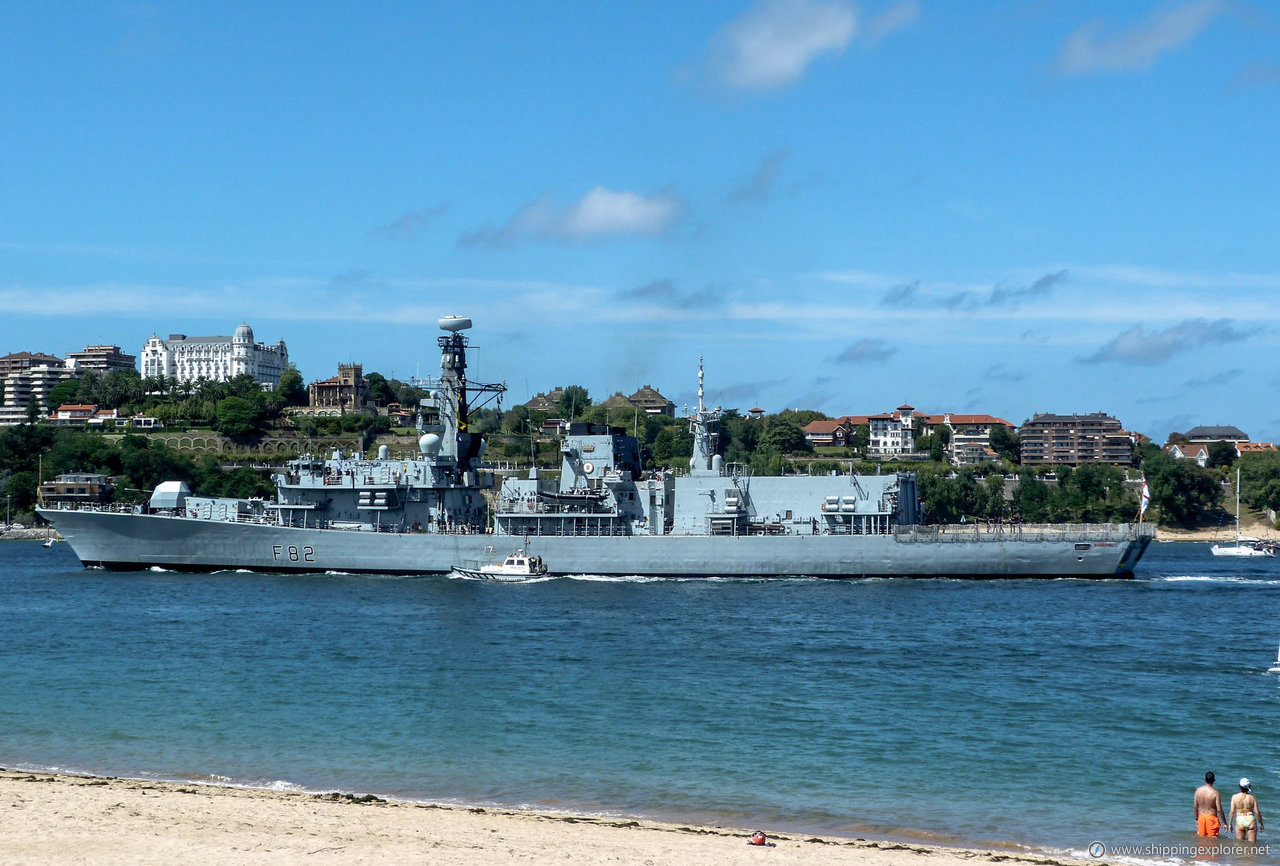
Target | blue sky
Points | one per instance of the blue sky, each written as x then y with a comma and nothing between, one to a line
981,207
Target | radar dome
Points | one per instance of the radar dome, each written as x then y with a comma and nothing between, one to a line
244,333
455,323
429,444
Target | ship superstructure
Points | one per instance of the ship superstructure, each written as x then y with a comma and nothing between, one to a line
603,514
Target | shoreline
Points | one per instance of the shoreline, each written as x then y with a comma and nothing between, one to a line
1218,535
29,533
65,817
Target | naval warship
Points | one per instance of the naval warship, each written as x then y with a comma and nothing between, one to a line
604,515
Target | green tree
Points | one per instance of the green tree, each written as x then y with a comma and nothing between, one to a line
861,438
407,395
932,444
997,505
802,417
783,435
292,389
739,436
948,496
522,422
62,393
1260,479
663,448
574,400
1031,498
380,390
145,464
22,487
237,417
1184,493
1007,445
1221,454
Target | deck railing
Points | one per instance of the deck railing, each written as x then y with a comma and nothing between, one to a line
966,533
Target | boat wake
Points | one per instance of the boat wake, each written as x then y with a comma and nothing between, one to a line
1214,578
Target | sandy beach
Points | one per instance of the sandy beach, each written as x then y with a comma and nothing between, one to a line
56,818
1225,534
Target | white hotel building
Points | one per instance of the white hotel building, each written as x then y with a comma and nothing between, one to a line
216,358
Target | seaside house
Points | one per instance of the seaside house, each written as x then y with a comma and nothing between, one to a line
893,433
548,402
970,436
218,359
837,432
1075,439
399,415
653,403
144,422
81,415
20,362
28,378
1196,451
345,393
101,359
1221,433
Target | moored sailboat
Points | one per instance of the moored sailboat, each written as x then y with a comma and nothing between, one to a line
1244,546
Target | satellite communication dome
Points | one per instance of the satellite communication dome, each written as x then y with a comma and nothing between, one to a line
429,444
455,323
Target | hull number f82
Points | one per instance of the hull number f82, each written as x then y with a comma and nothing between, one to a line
292,553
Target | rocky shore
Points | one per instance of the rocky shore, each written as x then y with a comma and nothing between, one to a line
28,533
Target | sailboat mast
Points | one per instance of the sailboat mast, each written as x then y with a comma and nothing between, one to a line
1237,503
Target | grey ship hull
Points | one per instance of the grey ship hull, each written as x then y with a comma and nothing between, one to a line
126,541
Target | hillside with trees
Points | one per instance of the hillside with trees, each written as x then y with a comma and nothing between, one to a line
1183,494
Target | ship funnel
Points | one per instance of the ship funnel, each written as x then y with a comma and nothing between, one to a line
455,323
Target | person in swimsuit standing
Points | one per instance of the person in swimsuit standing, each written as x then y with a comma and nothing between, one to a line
1246,817
1208,808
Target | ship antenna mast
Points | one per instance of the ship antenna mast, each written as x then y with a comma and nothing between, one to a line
700,407
704,441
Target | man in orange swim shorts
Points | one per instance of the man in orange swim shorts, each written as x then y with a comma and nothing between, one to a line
1209,814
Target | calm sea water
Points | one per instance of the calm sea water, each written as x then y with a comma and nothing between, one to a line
1048,714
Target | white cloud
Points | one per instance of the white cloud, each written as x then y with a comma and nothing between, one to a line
605,212
1170,26
867,351
409,225
773,43
601,213
896,17
1139,346
355,296
759,187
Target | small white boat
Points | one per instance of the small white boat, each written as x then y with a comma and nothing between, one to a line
1275,668
1244,545
517,567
